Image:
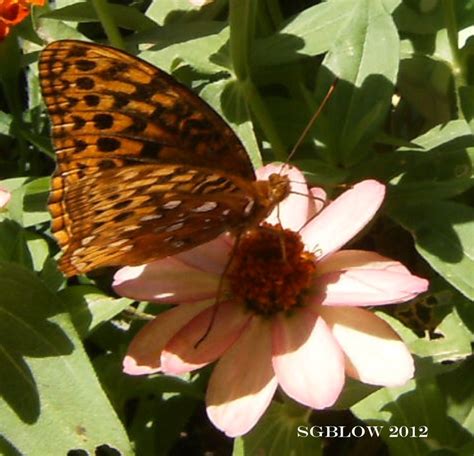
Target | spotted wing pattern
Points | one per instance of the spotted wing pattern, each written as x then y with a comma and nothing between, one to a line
145,168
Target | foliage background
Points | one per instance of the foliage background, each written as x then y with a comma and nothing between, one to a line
402,112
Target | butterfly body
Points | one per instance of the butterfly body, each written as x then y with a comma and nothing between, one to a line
145,168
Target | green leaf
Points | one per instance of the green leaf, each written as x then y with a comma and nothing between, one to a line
362,97
202,54
13,245
444,236
5,123
419,409
277,433
54,29
426,192
124,16
453,342
159,11
309,33
89,307
29,200
439,156
48,385
457,387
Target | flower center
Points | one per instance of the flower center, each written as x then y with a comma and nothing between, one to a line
271,270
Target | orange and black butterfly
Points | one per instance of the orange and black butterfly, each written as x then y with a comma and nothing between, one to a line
145,168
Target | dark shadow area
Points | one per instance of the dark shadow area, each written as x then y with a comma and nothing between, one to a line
7,448
26,332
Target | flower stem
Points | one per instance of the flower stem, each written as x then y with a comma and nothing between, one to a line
110,27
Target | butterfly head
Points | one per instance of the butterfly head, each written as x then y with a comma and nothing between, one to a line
279,188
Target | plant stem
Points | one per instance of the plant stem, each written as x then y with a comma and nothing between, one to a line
110,27
260,111
242,17
457,60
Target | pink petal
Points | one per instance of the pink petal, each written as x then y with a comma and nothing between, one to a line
5,196
209,257
358,259
144,352
339,222
308,362
242,384
291,212
168,281
183,355
374,352
366,287
318,200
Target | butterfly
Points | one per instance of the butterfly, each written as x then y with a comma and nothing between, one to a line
145,168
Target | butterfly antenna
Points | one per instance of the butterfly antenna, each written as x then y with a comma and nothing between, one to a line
219,291
310,124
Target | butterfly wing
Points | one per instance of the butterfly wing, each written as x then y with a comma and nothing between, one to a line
119,125
138,214
106,104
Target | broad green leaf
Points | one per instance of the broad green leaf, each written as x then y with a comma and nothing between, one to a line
53,29
444,236
425,78
202,54
48,385
309,33
277,433
28,203
453,343
159,10
124,16
419,408
426,191
35,199
13,243
39,249
440,159
455,133
89,307
362,97
457,387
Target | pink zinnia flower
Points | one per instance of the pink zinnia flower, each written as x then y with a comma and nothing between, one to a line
293,321
5,196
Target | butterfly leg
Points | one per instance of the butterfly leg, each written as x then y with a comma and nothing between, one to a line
220,289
